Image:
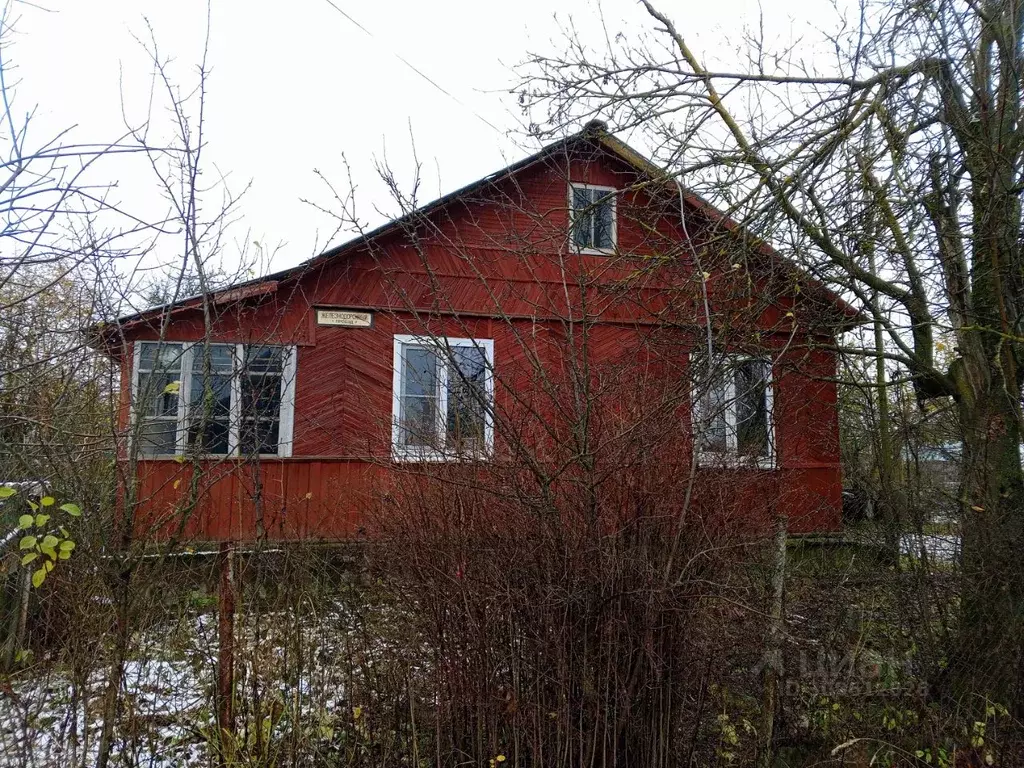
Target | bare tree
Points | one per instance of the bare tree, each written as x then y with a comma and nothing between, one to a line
57,210
893,171
72,262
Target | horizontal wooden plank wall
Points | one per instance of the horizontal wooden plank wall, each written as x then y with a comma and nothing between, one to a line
333,500
278,499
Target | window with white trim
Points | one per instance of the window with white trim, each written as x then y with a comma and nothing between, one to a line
732,414
213,399
592,216
443,398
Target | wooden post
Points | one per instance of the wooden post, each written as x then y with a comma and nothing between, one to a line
226,649
773,645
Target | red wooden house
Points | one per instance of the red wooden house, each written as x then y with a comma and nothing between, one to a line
455,336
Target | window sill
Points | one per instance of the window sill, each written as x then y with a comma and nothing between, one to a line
427,456
732,461
181,458
595,251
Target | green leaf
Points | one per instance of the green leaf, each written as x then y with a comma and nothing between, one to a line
27,542
48,565
47,501
72,509
26,521
42,520
67,545
29,558
32,504
49,546
64,554
173,388
38,577
6,492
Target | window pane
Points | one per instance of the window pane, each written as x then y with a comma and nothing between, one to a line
157,436
259,436
466,399
211,437
210,397
752,408
153,397
603,221
582,218
209,415
712,425
419,372
418,421
261,396
155,355
268,359
219,357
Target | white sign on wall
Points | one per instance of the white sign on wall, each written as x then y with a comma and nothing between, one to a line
345,317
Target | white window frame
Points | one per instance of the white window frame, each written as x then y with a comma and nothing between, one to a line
615,219
286,417
731,458
404,453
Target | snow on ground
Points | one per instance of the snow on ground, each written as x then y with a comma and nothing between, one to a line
940,548
167,712
164,699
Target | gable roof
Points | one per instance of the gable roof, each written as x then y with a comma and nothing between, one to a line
595,131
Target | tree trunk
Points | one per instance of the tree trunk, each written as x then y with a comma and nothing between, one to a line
15,640
226,652
988,382
115,673
888,505
988,658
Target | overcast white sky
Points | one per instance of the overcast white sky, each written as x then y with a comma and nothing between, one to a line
295,85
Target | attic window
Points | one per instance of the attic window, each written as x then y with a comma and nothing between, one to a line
592,211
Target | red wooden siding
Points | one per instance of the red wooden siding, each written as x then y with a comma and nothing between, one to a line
496,267
296,498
